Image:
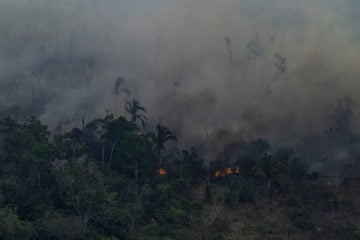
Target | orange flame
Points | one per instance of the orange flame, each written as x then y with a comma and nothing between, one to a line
162,171
228,171
217,174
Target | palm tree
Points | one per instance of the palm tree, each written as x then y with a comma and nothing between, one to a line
134,109
161,136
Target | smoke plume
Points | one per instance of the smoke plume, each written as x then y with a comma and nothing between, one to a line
273,69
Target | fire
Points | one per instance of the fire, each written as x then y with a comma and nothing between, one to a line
228,171
162,171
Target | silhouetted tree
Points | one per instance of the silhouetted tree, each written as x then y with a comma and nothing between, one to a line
134,109
160,137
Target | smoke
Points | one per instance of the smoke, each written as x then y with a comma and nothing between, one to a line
261,68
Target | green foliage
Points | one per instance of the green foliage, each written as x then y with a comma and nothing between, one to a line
300,217
220,225
351,231
240,191
192,166
103,182
12,228
269,167
57,226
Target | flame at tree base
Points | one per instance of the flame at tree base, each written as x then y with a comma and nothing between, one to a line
217,174
227,171
162,171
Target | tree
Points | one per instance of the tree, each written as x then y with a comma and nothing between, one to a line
280,66
10,140
269,168
117,88
115,131
160,137
230,52
192,168
75,141
254,50
286,156
83,189
134,109
342,117
259,147
13,228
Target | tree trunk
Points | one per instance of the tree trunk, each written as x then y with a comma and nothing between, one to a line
85,220
41,93
181,169
332,219
61,156
103,154
136,194
288,234
125,112
116,103
39,180
159,157
136,181
268,188
74,153
111,154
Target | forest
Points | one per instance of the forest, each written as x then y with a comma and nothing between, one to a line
179,120
111,179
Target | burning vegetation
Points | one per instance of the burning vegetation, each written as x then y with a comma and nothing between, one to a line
227,172
185,191
162,171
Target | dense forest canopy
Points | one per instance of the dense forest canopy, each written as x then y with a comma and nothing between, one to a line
112,179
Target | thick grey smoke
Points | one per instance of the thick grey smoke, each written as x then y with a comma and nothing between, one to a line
260,68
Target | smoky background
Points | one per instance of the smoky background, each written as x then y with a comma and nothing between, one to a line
282,70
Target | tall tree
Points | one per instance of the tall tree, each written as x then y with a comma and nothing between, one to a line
119,82
115,131
269,168
135,110
160,137
342,116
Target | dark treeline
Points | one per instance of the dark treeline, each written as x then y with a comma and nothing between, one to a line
111,179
